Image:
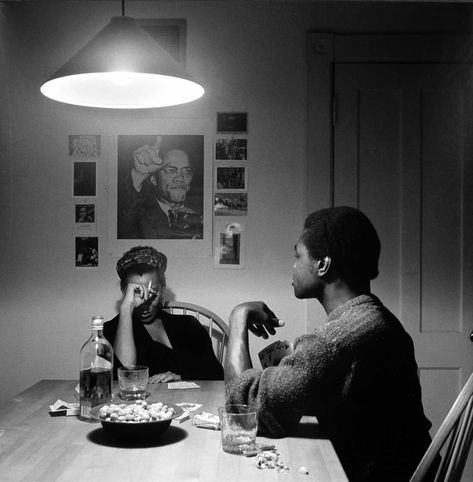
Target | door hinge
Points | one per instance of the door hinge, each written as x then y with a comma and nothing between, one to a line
334,111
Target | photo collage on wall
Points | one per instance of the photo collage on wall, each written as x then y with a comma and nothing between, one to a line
230,189
84,151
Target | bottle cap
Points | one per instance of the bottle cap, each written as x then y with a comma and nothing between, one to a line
97,322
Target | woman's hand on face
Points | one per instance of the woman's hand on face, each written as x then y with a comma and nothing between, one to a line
165,377
135,294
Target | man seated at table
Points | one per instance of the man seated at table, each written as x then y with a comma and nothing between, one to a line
357,374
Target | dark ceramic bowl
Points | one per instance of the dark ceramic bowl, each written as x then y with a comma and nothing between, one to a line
135,431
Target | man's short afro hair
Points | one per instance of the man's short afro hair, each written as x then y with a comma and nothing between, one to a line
348,237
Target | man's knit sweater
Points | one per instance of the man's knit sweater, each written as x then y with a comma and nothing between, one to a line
358,375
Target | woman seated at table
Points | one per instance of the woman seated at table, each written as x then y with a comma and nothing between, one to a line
174,347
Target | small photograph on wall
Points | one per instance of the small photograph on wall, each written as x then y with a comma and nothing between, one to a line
231,149
228,122
87,252
85,179
229,246
231,204
85,215
231,178
84,146
165,173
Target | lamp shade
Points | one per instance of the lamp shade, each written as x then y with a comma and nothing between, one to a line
122,67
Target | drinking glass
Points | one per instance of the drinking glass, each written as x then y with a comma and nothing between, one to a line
239,426
133,381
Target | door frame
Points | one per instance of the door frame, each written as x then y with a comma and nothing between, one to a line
326,49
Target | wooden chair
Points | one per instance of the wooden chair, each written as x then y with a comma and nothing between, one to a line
457,429
216,327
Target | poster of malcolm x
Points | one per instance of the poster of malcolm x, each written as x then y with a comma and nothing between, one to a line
160,186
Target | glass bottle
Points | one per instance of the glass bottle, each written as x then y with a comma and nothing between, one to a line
96,364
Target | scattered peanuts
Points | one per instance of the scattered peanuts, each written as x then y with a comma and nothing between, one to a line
269,459
139,412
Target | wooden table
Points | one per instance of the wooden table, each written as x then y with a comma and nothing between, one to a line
37,447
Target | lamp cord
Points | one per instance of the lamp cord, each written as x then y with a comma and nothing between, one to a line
123,8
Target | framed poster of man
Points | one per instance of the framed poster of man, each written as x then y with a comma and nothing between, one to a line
160,187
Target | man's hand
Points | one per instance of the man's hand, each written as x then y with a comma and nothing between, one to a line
165,377
260,320
146,161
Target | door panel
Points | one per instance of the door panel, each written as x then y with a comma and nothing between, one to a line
442,210
400,156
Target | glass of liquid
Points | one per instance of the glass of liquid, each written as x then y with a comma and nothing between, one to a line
239,426
133,381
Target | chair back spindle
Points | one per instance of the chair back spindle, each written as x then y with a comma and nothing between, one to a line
455,436
217,329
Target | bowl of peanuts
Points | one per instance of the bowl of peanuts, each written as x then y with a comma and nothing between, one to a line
135,421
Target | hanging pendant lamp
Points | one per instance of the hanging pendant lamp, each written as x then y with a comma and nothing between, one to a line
122,67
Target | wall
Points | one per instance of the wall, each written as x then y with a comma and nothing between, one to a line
251,58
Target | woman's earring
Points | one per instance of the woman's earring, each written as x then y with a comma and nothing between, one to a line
162,302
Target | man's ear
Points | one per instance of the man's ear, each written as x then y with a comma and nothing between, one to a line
152,178
323,265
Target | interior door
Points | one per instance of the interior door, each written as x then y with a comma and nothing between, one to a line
402,154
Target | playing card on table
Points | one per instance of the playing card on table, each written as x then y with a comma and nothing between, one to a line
182,385
271,355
